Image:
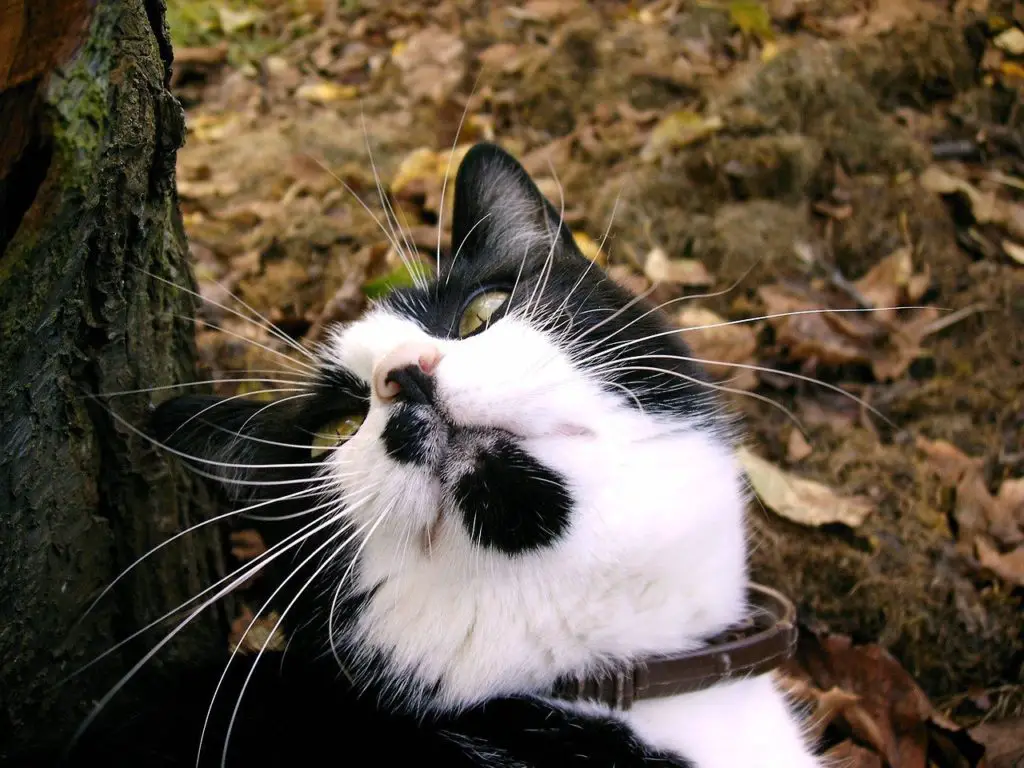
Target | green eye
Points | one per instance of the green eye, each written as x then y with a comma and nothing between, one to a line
478,314
335,432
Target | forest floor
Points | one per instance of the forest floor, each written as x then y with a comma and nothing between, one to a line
763,157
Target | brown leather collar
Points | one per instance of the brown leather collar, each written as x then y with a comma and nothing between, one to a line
757,646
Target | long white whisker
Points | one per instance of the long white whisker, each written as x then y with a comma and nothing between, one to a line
256,565
266,325
226,400
298,367
178,535
234,714
762,369
202,383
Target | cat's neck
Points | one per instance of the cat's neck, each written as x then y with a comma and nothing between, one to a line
746,722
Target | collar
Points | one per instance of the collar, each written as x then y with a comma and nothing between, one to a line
754,647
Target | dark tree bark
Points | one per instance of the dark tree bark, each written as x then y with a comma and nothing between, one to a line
88,136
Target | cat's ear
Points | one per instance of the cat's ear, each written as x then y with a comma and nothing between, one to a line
241,442
499,211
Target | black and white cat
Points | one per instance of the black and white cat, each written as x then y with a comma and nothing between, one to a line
509,475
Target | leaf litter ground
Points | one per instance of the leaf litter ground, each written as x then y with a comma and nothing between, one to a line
785,156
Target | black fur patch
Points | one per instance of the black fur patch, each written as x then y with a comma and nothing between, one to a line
406,434
298,712
511,502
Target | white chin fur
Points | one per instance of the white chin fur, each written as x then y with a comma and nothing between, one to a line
653,558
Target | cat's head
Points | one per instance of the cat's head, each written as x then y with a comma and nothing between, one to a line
515,472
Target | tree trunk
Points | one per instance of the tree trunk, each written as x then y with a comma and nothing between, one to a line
88,213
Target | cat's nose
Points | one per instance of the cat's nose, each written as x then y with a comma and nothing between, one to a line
407,373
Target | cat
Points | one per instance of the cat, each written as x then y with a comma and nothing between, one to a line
510,474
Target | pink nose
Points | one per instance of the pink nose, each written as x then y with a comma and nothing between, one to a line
420,355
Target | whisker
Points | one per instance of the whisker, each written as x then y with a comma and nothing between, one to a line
254,566
201,384
302,369
387,235
226,400
465,238
389,216
269,326
226,465
175,537
444,182
743,321
764,369
640,297
719,388
234,714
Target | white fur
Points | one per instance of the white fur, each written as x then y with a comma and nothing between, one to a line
653,558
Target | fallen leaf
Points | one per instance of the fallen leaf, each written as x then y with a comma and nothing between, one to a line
876,705
545,10
977,512
659,268
751,18
1003,740
248,636
589,248
797,447
326,93
232,21
800,500
247,544
502,55
717,343
985,206
1008,566
1014,251
629,279
431,62
808,331
886,283
850,755
677,130
1011,41
421,177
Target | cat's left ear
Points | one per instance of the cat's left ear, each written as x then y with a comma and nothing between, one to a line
500,212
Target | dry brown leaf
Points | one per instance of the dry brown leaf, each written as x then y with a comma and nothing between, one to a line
248,636
798,499
1008,566
659,268
874,702
886,283
850,755
545,10
977,512
247,544
326,93
590,248
629,279
797,447
1011,41
985,206
889,346
431,62
1014,251
1004,742
505,56
678,130
716,342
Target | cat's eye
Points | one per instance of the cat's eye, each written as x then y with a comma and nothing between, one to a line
478,312
335,432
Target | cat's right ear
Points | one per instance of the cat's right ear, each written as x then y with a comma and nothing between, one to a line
500,212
